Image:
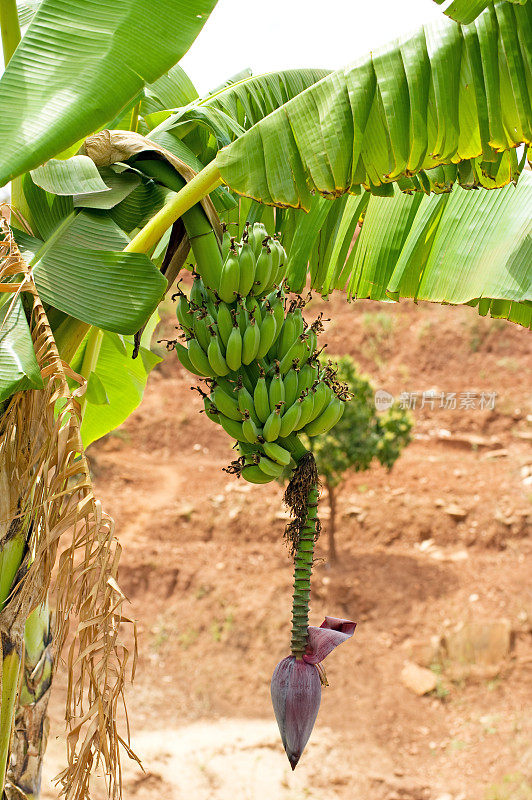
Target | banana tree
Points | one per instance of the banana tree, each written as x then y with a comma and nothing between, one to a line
110,190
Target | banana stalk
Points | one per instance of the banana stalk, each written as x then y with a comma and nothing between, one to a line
23,778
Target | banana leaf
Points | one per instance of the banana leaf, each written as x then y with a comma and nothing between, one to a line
450,95
465,247
467,10
79,267
121,396
18,365
79,64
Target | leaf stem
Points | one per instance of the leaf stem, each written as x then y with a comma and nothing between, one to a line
10,28
193,192
90,359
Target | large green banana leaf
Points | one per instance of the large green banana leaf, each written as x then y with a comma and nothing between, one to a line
451,95
467,10
79,267
79,63
237,106
123,395
459,247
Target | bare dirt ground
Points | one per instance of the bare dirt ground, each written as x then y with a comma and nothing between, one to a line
439,542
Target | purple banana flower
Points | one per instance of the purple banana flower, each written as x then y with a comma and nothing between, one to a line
296,685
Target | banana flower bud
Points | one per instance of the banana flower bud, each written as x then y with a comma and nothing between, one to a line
296,685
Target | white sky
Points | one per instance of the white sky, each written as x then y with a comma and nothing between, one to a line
282,34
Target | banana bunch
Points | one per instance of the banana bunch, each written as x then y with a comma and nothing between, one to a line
258,357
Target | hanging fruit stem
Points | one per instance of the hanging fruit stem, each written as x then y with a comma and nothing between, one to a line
301,497
187,197
202,237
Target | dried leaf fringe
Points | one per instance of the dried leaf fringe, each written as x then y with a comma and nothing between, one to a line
51,493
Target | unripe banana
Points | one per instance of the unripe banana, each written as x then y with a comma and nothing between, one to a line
322,398
230,278
263,270
215,355
226,244
288,335
250,342
299,351
249,429
291,383
225,403
308,374
211,411
245,403
201,322
183,315
197,293
279,275
272,426
278,312
261,400
270,467
254,474
225,322
268,330
242,317
307,407
312,341
232,427
247,263
257,233
299,322
184,357
248,383
199,358
277,453
233,351
246,449
254,309
276,391
290,419
274,264
327,419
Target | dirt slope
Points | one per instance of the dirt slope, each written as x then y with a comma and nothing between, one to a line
209,579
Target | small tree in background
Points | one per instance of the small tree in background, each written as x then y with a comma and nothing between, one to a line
358,438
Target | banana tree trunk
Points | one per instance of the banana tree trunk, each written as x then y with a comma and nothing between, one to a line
23,781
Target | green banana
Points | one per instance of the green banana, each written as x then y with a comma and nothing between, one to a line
272,426
225,403
275,258
261,400
250,342
278,312
248,383
299,351
184,317
327,419
230,277
233,351
247,264
308,374
197,293
242,316
253,308
263,270
288,335
211,410
290,419
215,355
249,429
199,358
277,453
256,235
226,243
184,357
268,330
201,321
322,398
232,427
276,390
254,474
245,403
270,467
224,321
307,406
291,392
